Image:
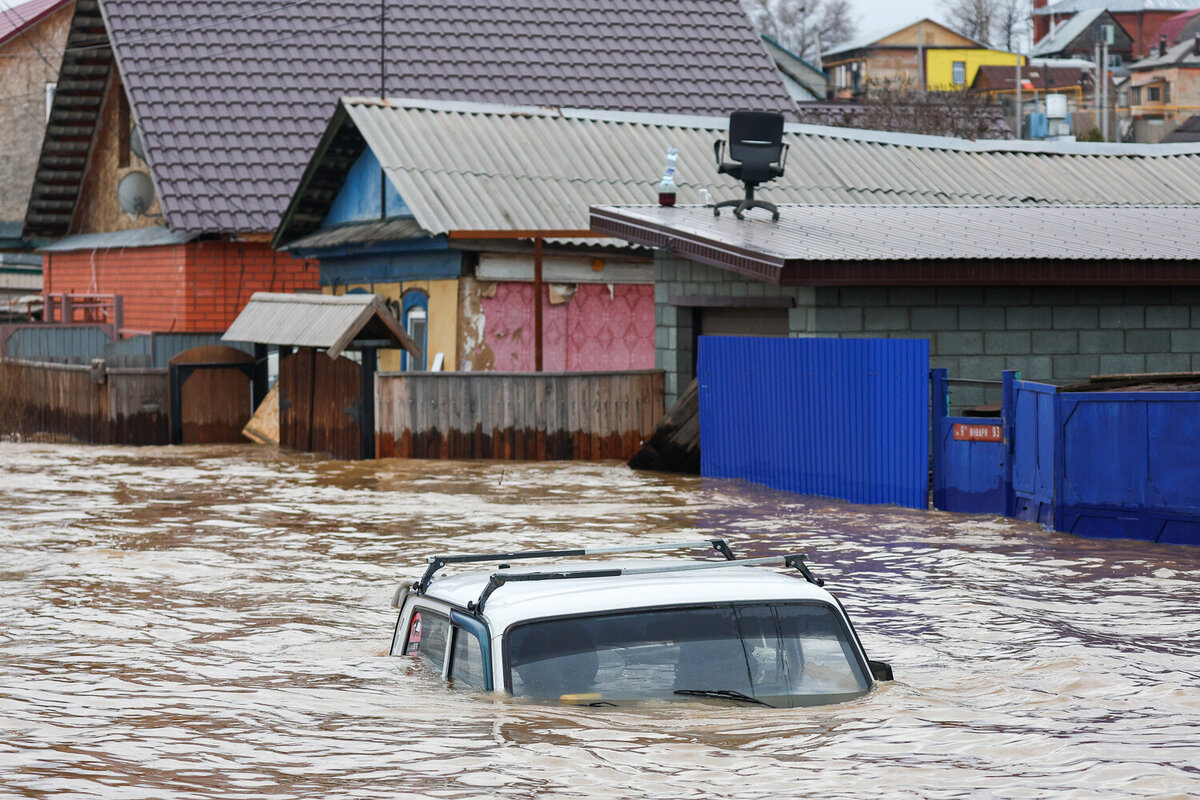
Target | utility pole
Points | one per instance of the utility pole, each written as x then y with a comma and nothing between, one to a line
1104,87
1017,126
1096,91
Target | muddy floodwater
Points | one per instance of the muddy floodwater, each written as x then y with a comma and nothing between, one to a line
214,622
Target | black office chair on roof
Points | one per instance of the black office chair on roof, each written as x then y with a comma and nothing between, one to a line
758,154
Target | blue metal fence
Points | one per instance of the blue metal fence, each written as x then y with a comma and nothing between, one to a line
1122,465
846,418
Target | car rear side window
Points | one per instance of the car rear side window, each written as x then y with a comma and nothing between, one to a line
427,632
466,664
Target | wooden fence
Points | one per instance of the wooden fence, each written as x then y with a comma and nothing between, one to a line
505,415
87,404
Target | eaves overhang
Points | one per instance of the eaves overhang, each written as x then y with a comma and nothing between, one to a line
926,245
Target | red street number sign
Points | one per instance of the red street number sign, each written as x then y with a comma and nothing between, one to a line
977,433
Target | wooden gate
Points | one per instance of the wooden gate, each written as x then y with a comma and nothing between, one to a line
320,404
210,395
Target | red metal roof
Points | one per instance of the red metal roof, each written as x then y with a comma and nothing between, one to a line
1173,27
18,18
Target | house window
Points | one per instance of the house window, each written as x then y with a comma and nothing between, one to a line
1137,95
1153,94
959,73
415,318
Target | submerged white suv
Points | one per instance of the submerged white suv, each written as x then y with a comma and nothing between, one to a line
617,633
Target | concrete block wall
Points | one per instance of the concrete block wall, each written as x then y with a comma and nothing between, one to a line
1052,334
680,277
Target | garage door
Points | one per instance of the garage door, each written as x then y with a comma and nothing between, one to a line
744,322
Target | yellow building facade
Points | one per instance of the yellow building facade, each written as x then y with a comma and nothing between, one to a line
955,68
442,317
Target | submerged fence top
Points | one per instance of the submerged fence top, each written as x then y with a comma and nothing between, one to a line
317,320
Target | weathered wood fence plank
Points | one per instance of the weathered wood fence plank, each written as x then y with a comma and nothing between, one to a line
105,406
502,415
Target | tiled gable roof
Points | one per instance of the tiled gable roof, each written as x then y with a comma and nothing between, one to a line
231,96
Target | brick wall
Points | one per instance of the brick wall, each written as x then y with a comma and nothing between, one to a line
193,287
1056,334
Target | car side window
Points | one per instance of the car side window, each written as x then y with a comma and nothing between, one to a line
427,632
466,662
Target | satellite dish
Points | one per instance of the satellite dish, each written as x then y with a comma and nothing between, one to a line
135,193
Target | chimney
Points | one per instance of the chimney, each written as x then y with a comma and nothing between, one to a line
1162,45
1041,23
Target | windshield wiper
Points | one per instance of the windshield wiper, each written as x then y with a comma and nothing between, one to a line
723,694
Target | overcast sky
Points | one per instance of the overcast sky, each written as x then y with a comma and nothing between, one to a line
872,14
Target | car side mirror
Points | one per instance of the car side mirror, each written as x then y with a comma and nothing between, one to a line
881,671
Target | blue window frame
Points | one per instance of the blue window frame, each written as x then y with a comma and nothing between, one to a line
414,316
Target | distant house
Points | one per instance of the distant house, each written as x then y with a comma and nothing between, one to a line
924,54
180,129
1141,18
804,81
1077,36
1164,90
1180,27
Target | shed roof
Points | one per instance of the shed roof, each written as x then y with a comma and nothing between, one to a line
458,169
317,320
837,245
232,96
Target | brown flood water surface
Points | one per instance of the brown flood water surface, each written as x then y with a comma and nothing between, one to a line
213,622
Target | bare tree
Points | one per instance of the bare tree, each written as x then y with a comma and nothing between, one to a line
973,18
803,26
1010,24
893,104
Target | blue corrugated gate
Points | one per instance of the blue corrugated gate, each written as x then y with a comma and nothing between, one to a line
1031,425
1123,465
968,457
845,418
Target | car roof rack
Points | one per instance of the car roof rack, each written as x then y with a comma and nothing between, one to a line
437,562
498,579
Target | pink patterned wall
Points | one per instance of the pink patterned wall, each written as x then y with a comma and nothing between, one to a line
597,329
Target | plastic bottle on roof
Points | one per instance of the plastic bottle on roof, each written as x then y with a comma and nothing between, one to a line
666,188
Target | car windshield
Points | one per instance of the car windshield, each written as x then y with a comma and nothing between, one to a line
781,655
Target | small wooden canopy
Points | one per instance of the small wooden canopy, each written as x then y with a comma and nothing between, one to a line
319,320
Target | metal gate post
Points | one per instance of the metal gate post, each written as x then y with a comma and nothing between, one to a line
1008,415
366,421
940,409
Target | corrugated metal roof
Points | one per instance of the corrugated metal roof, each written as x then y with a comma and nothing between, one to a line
1114,6
316,320
154,236
956,233
471,167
